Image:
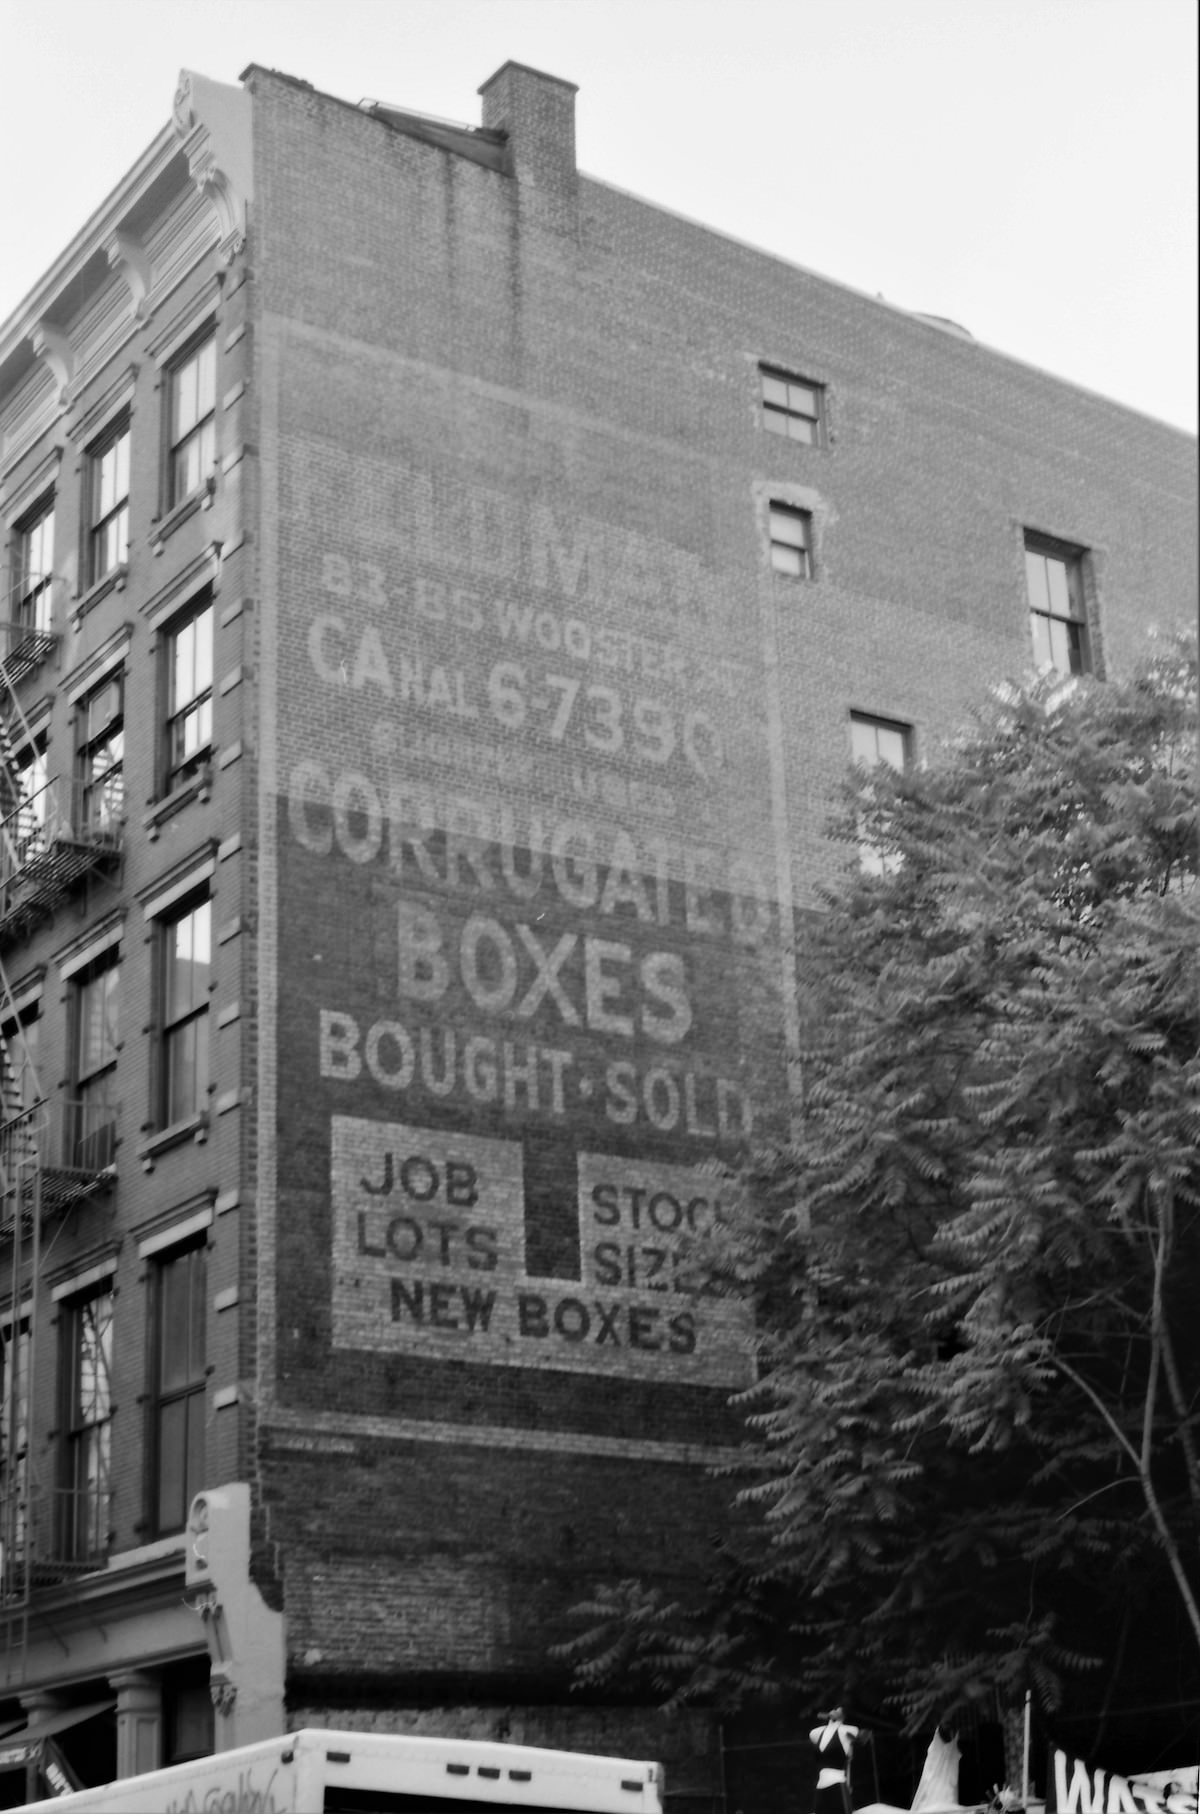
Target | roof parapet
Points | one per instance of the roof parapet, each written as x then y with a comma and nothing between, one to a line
476,143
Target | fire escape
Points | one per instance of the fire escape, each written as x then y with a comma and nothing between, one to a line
55,1152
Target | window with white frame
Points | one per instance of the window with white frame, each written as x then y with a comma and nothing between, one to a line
108,503
192,433
189,677
185,944
1057,611
100,753
31,607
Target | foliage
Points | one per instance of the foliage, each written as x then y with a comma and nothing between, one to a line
972,1448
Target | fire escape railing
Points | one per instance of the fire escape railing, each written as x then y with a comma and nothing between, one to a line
54,1153
71,1142
27,635
50,838
55,1534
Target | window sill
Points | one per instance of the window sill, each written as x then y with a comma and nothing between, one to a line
112,582
199,787
194,1128
156,1550
180,513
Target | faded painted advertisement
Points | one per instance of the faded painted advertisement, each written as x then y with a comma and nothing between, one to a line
527,908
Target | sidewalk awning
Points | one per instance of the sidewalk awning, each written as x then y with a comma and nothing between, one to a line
24,1745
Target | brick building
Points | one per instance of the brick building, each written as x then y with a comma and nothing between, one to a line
443,593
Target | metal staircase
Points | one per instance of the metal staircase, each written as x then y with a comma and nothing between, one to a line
55,1153
53,833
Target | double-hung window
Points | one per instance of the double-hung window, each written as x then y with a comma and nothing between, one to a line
93,1123
193,422
179,1384
872,741
189,661
89,1335
1057,611
186,945
108,504
792,407
100,755
791,541
32,603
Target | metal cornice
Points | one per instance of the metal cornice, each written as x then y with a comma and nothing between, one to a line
89,243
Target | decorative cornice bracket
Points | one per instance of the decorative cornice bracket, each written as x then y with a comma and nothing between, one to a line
223,1693
212,124
129,257
53,347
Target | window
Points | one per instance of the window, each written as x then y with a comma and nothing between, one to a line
187,1711
875,740
14,1439
189,655
872,741
193,427
179,1401
792,407
187,965
791,541
28,807
92,1122
1057,613
19,1045
32,604
108,505
89,1326
99,756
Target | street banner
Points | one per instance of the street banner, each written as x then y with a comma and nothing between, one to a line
1076,1787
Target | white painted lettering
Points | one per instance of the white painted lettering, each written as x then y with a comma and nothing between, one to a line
338,1046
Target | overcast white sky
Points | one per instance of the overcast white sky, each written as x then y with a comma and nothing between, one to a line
1026,167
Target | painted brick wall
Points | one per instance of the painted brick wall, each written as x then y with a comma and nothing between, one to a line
547,753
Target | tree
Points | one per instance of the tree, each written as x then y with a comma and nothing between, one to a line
971,1454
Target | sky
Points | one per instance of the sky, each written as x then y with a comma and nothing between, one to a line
1027,168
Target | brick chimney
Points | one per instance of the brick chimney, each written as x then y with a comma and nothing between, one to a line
537,112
